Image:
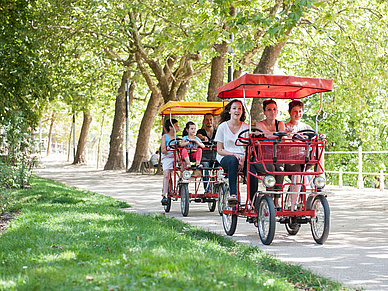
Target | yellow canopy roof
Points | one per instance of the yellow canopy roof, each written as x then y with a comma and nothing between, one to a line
191,108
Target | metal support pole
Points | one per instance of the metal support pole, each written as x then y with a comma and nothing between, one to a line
230,64
360,182
126,126
381,180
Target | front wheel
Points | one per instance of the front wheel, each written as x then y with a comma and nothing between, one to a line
320,224
229,221
266,219
184,193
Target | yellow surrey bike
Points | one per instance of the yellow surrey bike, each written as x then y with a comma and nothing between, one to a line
180,179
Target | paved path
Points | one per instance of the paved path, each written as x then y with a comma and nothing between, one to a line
356,252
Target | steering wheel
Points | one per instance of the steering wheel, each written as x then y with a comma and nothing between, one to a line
245,140
309,133
172,143
280,134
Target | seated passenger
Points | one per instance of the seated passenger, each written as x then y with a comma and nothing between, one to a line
269,125
206,134
296,110
230,156
155,159
171,127
194,144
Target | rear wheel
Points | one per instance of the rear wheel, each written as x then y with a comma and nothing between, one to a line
320,224
217,189
184,193
212,206
266,219
229,221
292,227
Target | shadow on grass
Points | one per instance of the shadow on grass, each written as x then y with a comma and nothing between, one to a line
67,238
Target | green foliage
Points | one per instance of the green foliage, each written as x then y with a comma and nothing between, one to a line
24,84
62,230
347,43
16,153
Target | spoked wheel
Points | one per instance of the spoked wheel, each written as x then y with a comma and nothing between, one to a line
184,193
212,205
167,207
266,219
229,221
320,224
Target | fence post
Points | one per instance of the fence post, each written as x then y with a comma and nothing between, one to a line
360,182
340,182
381,180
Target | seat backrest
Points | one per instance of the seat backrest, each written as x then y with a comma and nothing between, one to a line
209,153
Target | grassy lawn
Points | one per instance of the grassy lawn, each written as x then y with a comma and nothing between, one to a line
69,239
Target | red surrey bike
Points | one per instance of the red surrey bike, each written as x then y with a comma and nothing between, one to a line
305,150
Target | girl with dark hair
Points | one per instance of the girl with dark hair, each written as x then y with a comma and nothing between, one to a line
230,156
171,127
190,141
270,124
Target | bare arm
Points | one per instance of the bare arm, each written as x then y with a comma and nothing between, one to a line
163,147
200,144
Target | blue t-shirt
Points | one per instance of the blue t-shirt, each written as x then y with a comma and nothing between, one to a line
191,145
168,139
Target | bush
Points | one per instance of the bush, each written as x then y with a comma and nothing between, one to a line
16,153
6,201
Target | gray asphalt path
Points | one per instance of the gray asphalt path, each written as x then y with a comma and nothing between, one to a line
356,252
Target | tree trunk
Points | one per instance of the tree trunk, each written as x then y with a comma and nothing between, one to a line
182,90
99,141
117,138
217,72
265,66
80,157
144,132
50,133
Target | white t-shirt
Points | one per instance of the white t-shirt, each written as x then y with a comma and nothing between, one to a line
227,137
295,128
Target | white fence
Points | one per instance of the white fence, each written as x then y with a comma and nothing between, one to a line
91,155
360,173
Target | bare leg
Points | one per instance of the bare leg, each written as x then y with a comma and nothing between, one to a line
294,188
166,178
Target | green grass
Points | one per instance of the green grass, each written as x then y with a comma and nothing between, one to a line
69,239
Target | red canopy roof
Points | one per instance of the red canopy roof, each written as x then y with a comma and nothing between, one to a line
274,86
